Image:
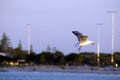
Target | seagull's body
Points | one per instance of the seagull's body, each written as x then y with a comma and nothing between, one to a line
83,39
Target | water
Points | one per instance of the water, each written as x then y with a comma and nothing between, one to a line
56,76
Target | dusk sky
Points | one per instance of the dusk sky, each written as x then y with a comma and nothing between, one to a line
52,22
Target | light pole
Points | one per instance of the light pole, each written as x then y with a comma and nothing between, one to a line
98,45
98,49
112,48
112,57
29,31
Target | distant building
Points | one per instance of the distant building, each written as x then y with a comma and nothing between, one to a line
21,62
3,54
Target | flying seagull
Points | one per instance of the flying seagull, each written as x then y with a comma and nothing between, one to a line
83,39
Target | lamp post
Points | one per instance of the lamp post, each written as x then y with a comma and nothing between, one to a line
98,49
98,45
112,48
112,57
29,31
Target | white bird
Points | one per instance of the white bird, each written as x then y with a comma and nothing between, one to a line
83,39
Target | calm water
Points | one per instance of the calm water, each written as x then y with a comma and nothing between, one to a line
55,76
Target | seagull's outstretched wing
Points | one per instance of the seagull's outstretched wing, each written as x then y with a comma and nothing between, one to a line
78,34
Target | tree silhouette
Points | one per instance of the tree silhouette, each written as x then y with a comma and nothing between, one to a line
19,51
53,56
59,58
4,43
48,48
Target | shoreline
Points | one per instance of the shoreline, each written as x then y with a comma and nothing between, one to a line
68,69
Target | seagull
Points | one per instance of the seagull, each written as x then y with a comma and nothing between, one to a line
83,39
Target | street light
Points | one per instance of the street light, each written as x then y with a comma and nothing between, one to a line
98,45
112,48
29,31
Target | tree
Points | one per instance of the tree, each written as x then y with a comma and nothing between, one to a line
46,58
89,58
59,58
19,52
105,59
117,58
31,58
20,46
54,49
4,43
42,59
48,48
78,59
71,59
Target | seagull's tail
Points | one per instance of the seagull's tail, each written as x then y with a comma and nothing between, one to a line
77,44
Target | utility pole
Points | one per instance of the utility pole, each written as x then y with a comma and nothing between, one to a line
112,48
98,49
29,31
98,45
112,57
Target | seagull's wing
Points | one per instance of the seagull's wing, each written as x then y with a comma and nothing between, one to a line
78,34
83,38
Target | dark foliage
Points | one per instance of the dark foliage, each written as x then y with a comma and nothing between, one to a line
53,58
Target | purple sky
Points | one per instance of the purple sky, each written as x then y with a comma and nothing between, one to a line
52,22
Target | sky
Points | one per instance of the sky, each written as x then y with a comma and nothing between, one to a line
52,23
